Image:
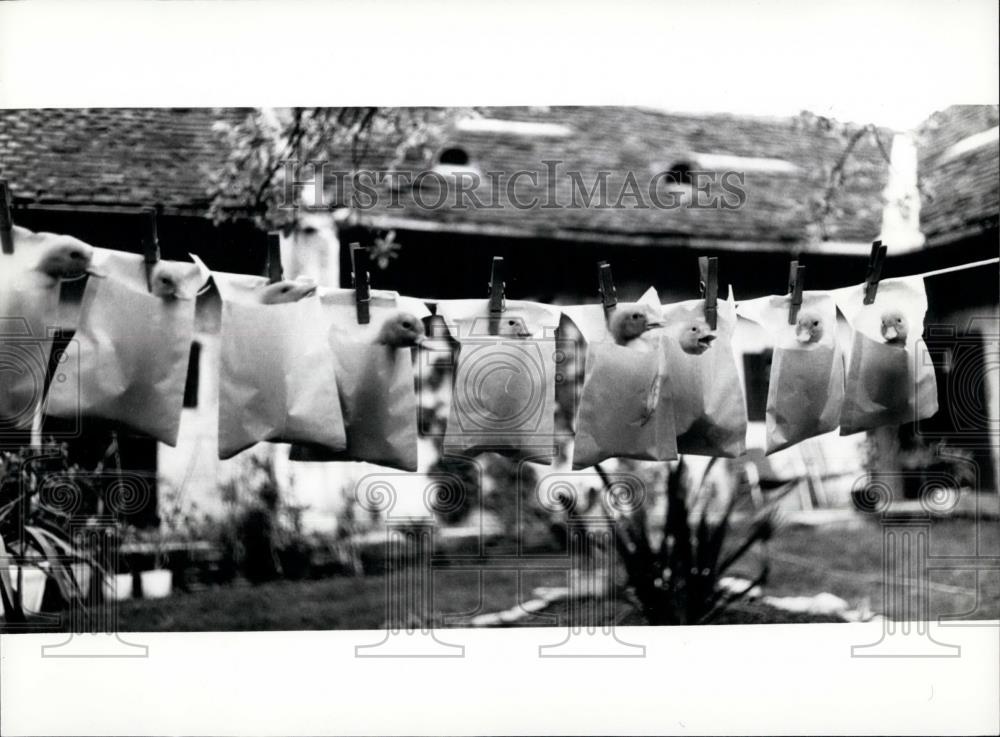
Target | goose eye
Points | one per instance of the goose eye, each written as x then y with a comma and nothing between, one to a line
309,230
408,325
815,323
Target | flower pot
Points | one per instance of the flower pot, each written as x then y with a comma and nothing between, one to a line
33,580
118,587
82,572
156,584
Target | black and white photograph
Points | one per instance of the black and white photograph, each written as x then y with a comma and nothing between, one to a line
355,371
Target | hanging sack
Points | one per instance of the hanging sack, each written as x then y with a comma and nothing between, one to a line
30,280
626,405
277,379
128,360
890,375
710,412
806,388
374,364
503,389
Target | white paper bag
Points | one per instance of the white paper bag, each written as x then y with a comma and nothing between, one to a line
375,377
806,389
30,280
709,403
503,396
278,378
890,375
128,360
626,405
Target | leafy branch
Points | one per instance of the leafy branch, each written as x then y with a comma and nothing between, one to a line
848,163
268,145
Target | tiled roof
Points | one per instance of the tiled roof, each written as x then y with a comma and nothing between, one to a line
142,156
644,142
111,156
960,172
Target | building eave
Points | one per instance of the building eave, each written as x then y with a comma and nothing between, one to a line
974,230
117,208
669,240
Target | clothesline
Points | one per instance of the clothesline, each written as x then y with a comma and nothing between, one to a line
316,375
960,267
925,275
949,269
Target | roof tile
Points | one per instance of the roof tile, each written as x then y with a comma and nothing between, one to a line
137,156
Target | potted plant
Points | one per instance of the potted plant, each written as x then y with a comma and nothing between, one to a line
155,583
25,584
36,518
119,586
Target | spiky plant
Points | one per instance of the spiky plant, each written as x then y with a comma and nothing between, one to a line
677,581
36,524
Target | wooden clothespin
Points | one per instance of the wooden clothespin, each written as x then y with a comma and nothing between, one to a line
796,280
6,219
361,280
151,246
274,273
498,299
874,273
606,287
708,268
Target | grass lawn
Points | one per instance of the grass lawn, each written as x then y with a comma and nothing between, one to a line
846,561
359,603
